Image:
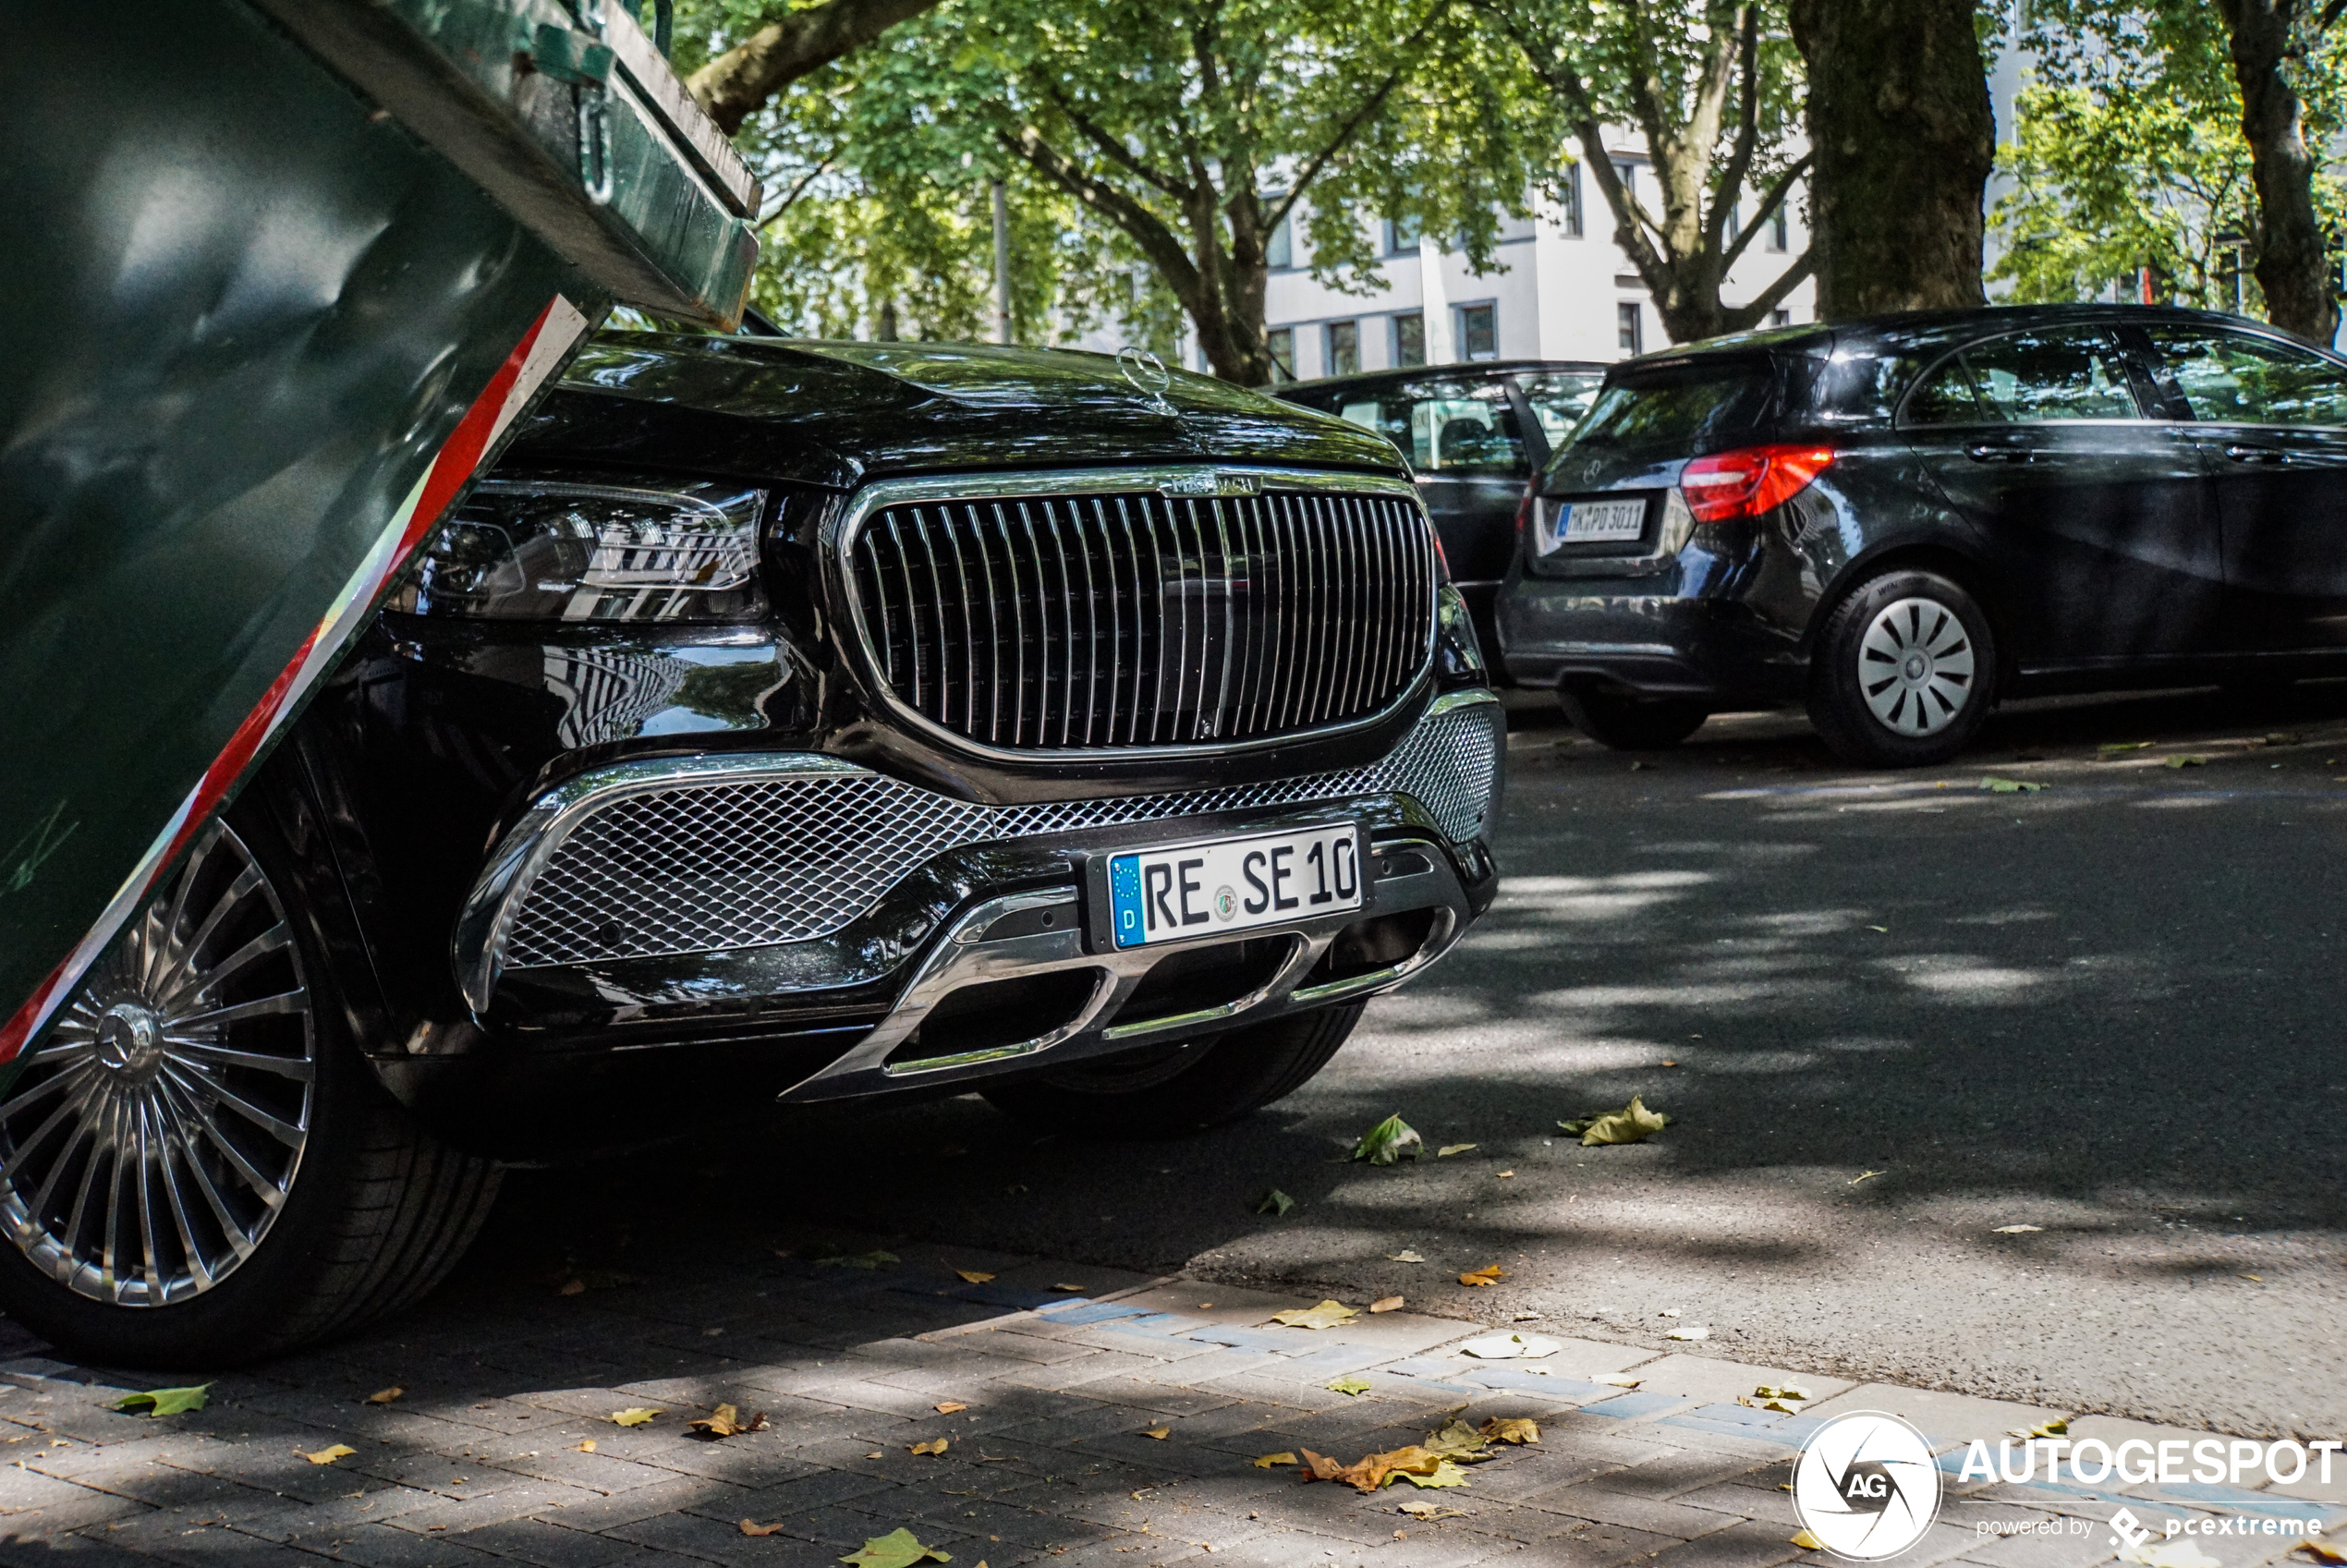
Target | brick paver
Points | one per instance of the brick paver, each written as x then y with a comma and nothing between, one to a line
500,1451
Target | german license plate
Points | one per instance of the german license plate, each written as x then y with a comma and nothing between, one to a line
1609,522
1234,884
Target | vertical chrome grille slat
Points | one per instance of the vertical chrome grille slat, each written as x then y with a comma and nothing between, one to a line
1133,618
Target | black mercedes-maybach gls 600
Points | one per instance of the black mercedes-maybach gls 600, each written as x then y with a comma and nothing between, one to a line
776,720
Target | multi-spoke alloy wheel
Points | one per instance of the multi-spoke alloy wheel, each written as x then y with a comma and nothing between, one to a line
1915,666
153,1138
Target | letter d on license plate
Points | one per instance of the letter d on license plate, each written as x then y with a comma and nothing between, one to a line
1233,884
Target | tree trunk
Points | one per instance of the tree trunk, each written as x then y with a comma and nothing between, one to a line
1904,138
2292,268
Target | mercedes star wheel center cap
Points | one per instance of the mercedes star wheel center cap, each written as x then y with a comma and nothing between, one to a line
129,1040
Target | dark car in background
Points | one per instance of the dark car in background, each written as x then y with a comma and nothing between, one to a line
1899,521
776,719
1475,435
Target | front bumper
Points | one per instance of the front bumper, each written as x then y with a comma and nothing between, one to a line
828,911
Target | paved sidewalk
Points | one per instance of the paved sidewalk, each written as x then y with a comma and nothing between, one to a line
500,1447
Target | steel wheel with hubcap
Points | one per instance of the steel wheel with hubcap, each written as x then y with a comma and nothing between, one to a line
1904,670
197,1166
1915,666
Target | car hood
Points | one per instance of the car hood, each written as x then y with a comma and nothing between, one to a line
838,413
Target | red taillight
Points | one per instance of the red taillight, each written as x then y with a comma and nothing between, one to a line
1744,483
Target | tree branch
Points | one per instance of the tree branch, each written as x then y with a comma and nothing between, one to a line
1742,318
1115,150
796,191
1144,227
1739,162
1770,199
1359,117
733,86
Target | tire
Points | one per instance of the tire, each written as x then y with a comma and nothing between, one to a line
1632,724
1197,1083
371,1211
1904,672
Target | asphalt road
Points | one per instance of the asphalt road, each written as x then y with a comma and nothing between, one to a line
1889,1014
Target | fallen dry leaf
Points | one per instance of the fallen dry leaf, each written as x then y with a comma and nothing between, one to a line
1390,1140
2168,1554
2186,762
1489,1274
587,1447
725,1422
1376,1469
1444,1473
1633,1123
572,1287
1328,1314
1347,1385
752,1527
876,1259
973,1276
1456,1439
898,1548
1283,1457
1068,1288
1274,1203
2315,1552
1618,1380
1420,1509
1866,1176
1995,785
2015,1230
1448,1150
384,1396
1160,1433
1693,1331
1512,1428
1807,1541
328,1455
1511,1347
1386,1304
165,1402
1783,1390
949,1406
634,1416
934,1446
1404,1256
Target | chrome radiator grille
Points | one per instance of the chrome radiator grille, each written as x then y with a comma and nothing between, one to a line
1133,618
716,866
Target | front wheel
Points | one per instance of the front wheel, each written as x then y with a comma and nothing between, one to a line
1182,1088
1903,671
197,1166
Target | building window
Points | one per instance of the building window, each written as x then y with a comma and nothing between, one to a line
1735,220
1409,338
1631,324
1779,318
1279,250
1628,175
1571,202
1478,328
1401,234
1779,238
1281,341
1342,348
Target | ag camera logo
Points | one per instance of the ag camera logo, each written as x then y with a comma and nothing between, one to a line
1865,1485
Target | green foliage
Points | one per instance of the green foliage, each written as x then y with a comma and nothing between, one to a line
1161,145
2128,154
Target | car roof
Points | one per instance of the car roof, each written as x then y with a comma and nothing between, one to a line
1374,380
1902,329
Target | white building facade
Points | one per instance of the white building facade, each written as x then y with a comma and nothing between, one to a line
1559,288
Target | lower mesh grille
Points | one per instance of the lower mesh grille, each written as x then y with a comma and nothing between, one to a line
711,866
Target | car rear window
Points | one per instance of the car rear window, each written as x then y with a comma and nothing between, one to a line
1691,407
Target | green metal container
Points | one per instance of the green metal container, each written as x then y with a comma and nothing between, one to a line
282,274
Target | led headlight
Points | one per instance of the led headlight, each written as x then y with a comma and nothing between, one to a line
557,551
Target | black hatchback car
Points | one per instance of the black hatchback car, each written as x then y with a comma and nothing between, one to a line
1899,521
1475,435
776,720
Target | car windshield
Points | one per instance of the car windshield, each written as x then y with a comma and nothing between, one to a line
1684,408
